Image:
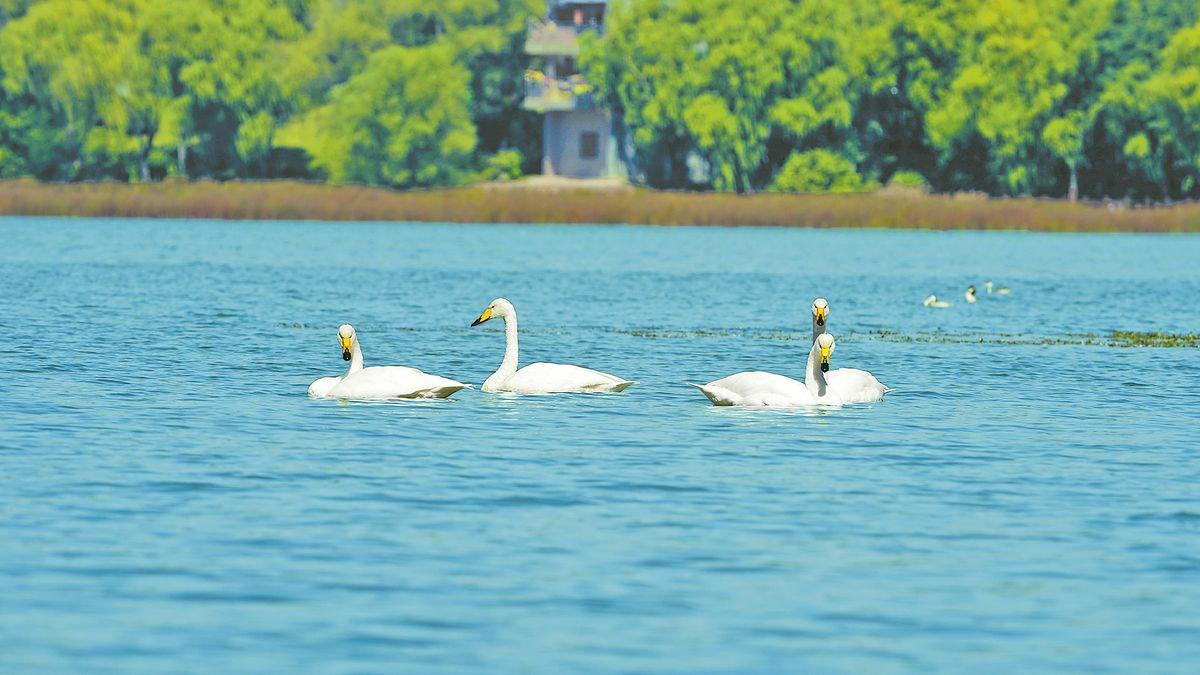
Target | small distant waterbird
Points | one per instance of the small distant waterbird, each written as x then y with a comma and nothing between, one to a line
999,290
970,294
932,301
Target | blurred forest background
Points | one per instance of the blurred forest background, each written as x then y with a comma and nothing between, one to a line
1099,98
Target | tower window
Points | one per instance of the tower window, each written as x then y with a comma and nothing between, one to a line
589,145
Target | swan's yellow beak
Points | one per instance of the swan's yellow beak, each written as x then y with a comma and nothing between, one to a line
487,314
346,343
824,359
820,315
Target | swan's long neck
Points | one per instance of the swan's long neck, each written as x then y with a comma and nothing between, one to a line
356,360
509,365
814,379
817,330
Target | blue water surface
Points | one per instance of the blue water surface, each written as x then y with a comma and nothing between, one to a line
172,501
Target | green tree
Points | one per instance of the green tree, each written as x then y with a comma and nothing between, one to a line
1172,101
403,121
1011,83
486,37
738,86
1064,137
817,171
67,57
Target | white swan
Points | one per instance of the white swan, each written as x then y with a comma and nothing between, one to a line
970,294
758,388
851,384
378,382
820,312
539,378
932,301
1000,290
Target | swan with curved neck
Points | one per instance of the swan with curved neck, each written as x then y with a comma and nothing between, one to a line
539,378
762,389
851,384
378,382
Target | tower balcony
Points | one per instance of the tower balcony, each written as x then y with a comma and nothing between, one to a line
544,94
545,37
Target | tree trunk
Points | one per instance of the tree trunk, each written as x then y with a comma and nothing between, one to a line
144,161
1073,188
181,159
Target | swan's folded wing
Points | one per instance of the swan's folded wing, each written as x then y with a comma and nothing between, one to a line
386,382
436,387
718,395
322,386
855,386
556,377
757,388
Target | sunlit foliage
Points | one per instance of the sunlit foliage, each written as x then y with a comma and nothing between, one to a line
1087,98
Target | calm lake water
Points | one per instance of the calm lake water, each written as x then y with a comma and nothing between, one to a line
172,501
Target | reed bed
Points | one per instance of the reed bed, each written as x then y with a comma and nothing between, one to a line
291,200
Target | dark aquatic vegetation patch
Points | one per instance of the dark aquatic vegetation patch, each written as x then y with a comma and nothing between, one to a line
688,334
1116,339
938,337
1122,338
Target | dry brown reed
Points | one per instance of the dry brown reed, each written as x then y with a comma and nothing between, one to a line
288,200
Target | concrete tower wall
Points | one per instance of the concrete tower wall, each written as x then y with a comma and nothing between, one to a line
578,143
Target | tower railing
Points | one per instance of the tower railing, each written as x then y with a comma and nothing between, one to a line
546,37
543,93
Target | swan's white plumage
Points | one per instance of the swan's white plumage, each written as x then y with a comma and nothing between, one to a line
763,389
539,378
378,382
757,388
850,384
855,386
549,378
322,386
932,301
386,382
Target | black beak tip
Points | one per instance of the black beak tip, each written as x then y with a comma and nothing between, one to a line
820,321
476,322
345,356
824,367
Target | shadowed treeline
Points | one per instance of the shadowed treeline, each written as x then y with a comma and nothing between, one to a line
1084,99
287,200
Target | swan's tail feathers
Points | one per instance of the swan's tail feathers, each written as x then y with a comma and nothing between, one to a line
443,392
437,392
717,395
622,386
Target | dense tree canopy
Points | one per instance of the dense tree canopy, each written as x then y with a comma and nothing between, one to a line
1096,98
392,92
1044,97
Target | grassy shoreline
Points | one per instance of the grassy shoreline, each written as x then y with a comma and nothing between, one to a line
291,200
